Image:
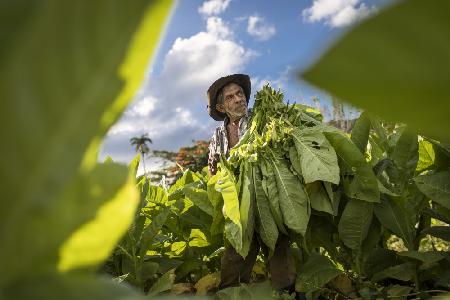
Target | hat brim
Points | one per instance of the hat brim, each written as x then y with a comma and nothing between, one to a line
240,79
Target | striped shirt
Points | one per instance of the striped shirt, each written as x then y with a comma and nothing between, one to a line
219,141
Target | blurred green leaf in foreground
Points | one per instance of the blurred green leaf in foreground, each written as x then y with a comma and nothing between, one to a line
67,71
395,64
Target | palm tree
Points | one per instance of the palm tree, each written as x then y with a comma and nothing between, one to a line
140,144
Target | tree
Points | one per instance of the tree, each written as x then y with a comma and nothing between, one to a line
141,146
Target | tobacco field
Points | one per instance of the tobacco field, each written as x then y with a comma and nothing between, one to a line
368,211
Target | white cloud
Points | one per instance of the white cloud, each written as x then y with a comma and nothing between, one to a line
217,27
213,7
195,62
258,28
171,106
142,107
337,13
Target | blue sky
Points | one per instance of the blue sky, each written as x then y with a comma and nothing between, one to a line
272,41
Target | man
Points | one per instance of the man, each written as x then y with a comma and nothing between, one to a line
228,102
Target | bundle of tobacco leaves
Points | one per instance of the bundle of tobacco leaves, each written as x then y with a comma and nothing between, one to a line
285,165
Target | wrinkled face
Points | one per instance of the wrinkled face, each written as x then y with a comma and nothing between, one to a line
234,102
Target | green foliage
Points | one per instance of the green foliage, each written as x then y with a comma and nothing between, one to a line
315,273
343,195
411,171
341,228
226,185
277,127
358,178
355,223
61,62
164,283
360,132
404,272
247,207
72,287
257,291
317,156
401,50
265,224
436,187
395,218
294,201
199,197
170,239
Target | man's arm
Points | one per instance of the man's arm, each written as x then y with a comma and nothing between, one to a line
213,154
213,159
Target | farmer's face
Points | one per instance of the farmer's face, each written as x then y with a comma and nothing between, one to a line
234,102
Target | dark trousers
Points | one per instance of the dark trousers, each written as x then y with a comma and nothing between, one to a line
235,269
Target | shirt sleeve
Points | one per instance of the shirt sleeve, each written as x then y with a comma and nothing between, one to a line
213,155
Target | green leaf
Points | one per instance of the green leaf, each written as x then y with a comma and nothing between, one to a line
441,155
294,202
426,257
355,223
165,264
315,273
398,292
379,133
217,224
295,161
360,132
194,217
147,270
426,156
405,155
404,272
444,280
319,198
317,157
247,209
226,185
188,265
69,100
70,287
164,283
213,195
384,190
392,216
134,165
320,234
261,290
376,152
364,184
436,187
390,63
373,238
442,232
439,213
379,259
152,230
334,196
156,194
217,201
175,190
199,197
88,245
267,227
176,249
197,238
269,185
